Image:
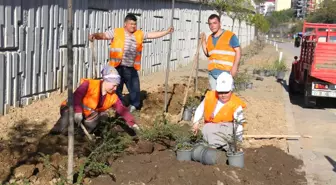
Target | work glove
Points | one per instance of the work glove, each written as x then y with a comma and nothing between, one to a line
78,118
136,127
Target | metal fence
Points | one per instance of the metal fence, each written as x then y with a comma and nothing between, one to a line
33,38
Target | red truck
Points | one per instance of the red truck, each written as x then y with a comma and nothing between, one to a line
314,72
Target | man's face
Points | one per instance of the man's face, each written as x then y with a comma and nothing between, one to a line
214,25
131,26
224,96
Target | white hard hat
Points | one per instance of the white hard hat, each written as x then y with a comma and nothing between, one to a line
224,82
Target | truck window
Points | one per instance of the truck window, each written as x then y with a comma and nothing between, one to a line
322,39
332,39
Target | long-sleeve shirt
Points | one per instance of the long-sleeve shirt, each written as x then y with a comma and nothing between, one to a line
238,114
118,106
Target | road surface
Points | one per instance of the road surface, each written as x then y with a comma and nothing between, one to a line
319,152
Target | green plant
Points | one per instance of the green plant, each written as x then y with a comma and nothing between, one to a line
280,65
192,102
184,146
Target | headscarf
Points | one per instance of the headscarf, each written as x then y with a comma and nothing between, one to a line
110,74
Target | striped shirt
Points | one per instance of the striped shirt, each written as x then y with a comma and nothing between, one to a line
129,47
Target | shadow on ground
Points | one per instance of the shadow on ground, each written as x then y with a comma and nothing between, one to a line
332,162
298,99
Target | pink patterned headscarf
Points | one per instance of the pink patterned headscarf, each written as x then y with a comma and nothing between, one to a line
110,74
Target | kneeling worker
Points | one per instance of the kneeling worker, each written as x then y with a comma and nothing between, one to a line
221,108
92,99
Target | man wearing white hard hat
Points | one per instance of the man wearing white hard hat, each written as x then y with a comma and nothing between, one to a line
220,108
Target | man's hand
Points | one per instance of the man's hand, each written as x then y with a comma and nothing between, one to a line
195,128
91,38
234,71
170,30
203,37
78,118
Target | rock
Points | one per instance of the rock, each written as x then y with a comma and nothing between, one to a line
220,183
33,179
46,175
259,78
181,173
24,171
144,147
87,181
56,159
102,180
40,167
159,147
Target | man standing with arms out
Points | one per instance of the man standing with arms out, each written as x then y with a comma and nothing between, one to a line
125,55
223,50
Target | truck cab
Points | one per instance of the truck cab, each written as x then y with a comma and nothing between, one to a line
314,71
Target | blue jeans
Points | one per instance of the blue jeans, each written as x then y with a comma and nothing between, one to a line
213,75
130,77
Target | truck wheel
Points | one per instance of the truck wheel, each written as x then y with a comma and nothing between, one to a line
309,101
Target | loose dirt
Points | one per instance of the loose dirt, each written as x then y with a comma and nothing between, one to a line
22,136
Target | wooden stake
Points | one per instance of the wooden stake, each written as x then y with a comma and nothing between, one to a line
70,95
190,77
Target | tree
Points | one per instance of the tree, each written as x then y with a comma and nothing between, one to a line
260,23
235,9
326,13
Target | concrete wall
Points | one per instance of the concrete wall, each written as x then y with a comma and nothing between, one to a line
33,37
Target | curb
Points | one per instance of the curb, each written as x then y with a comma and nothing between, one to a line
294,147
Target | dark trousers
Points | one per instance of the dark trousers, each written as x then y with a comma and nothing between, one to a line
130,77
90,123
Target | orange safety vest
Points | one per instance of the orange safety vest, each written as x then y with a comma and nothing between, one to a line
222,55
118,44
91,99
226,113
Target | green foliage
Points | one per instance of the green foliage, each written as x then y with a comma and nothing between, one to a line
161,130
279,17
260,23
280,65
184,146
326,13
297,27
192,101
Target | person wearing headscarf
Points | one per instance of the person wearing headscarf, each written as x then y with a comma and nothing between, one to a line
92,99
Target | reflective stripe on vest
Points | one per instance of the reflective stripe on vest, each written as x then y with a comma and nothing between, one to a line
222,55
221,52
228,63
117,47
226,113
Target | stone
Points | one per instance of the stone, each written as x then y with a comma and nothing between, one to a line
56,159
46,175
102,180
24,171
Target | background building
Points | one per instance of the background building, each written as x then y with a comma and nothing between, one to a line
282,4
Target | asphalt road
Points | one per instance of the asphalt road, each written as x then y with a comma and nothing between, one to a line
319,152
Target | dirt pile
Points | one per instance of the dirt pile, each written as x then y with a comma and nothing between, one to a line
267,165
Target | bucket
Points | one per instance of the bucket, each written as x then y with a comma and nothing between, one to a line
197,151
187,113
236,159
212,156
183,155
262,73
249,85
280,75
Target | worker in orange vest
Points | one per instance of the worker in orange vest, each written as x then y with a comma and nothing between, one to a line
222,110
92,99
125,54
223,50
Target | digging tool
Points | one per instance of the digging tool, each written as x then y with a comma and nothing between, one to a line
86,132
94,64
189,81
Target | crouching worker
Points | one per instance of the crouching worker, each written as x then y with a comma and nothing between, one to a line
221,109
92,99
